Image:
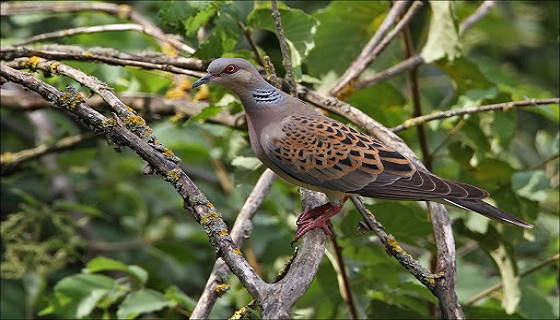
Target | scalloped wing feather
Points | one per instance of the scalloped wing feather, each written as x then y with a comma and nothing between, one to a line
322,152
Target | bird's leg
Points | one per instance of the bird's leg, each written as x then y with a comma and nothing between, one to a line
318,217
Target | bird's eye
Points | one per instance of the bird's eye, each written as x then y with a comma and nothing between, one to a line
230,69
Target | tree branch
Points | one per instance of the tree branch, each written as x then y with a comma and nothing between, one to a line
480,13
451,113
286,61
11,160
366,56
241,230
121,11
124,133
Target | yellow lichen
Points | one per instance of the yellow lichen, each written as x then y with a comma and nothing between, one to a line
213,215
72,99
346,92
169,50
130,109
33,61
222,288
124,11
53,66
179,89
178,117
394,244
168,153
136,120
173,175
508,106
6,157
202,94
110,122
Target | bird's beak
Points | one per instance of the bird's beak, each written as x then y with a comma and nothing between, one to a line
203,80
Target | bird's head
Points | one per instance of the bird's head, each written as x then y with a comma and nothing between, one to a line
233,73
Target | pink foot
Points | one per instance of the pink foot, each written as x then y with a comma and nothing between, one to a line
317,218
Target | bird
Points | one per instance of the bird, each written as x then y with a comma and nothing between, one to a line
313,151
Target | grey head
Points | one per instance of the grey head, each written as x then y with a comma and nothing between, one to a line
234,73
242,78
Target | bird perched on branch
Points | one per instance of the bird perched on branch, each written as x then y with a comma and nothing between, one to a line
316,152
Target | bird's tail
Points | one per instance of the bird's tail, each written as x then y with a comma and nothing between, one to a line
488,210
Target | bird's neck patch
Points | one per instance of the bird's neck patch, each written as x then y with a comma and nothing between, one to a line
266,96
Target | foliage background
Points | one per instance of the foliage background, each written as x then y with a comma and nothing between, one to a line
161,258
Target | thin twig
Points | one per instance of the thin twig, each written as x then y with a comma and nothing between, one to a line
87,30
147,61
286,60
393,247
499,285
123,11
417,60
480,13
252,44
343,282
451,113
415,93
403,66
9,161
363,59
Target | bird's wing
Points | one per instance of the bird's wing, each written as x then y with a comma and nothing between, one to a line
325,153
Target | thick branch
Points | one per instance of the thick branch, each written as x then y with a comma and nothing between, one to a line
157,158
241,230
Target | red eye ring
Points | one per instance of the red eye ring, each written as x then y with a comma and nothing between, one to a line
230,69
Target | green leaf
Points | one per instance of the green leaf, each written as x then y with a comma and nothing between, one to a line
225,33
383,102
504,126
207,113
461,152
466,76
531,184
205,10
73,206
299,28
78,295
142,301
476,137
250,163
378,309
493,171
140,273
475,97
510,278
175,294
501,252
547,144
98,264
405,221
443,37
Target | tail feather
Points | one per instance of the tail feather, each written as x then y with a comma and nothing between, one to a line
489,211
